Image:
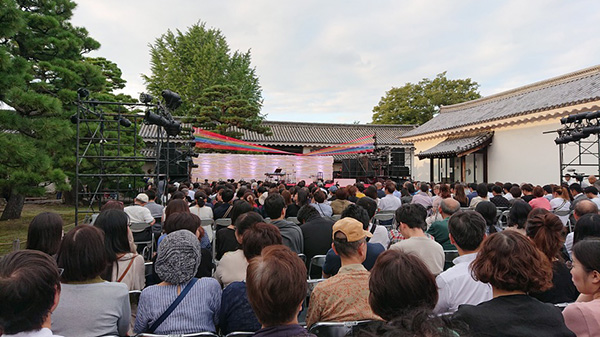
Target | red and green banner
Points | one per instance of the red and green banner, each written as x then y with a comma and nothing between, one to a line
360,145
210,140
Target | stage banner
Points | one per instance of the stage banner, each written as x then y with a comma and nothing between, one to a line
360,145
217,166
210,140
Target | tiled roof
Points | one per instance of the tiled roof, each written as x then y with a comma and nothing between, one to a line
309,134
571,89
325,134
455,146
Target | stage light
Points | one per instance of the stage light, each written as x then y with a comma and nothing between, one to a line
123,121
146,98
579,135
591,129
73,119
155,119
83,93
172,99
593,115
173,128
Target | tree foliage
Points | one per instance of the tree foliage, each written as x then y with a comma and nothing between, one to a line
418,103
41,67
219,89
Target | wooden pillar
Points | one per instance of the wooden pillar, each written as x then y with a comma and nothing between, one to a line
485,165
431,169
463,169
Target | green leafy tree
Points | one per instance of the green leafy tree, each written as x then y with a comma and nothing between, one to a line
41,68
219,89
418,103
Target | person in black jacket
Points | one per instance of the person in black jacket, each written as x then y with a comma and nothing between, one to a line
317,232
513,266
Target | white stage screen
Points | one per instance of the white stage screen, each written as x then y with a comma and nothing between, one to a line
215,166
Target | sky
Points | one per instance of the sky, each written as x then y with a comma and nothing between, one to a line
332,61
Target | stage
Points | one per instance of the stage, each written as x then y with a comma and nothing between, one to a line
215,166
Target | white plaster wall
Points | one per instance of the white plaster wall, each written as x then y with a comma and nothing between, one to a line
421,167
522,153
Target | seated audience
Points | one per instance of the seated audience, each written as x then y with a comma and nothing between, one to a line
45,233
316,231
276,286
192,223
137,212
389,202
582,208
156,210
89,306
539,201
291,208
340,203
380,233
545,231
290,232
320,204
332,259
225,239
233,264
514,194
577,193
236,313
403,292
439,229
422,197
29,292
560,203
411,220
482,195
583,318
512,264
517,216
592,193
177,262
527,190
490,213
200,209
123,265
177,205
456,285
224,209
344,297
498,199
587,226
460,196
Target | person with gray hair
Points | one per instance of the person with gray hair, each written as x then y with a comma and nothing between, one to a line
582,208
439,229
178,259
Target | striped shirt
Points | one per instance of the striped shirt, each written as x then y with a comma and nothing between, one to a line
197,312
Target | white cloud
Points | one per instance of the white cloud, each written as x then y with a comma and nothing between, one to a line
331,61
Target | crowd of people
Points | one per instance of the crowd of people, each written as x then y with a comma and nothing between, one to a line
521,253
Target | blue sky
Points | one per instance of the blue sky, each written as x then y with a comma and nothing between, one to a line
332,61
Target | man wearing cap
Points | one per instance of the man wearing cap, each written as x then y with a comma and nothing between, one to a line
345,296
137,212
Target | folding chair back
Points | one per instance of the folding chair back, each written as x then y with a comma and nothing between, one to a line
293,219
318,261
336,329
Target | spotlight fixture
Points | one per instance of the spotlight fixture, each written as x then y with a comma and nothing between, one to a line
172,99
83,93
172,127
74,118
593,115
146,98
123,121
